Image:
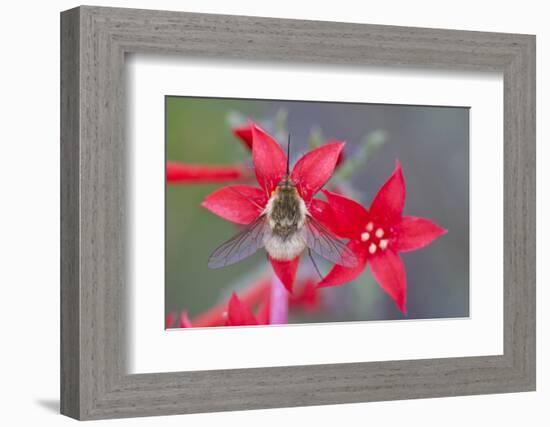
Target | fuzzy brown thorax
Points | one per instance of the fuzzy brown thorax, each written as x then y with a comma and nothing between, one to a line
285,210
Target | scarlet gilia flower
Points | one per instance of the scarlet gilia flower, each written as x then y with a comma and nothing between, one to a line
244,133
378,235
183,320
170,317
239,314
236,313
185,173
281,214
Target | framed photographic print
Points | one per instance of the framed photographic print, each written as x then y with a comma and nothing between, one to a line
262,213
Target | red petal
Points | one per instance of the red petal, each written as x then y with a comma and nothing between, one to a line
217,315
350,216
341,157
241,204
184,321
389,271
315,168
239,314
285,271
308,297
244,133
389,202
341,275
169,321
269,159
184,173
414,233
322,212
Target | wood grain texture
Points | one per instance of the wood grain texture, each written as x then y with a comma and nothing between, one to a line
94,382
70,259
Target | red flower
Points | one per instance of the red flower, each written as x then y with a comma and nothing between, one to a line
378,235
183,321
170,317
185,173
239,314
243,204
244,133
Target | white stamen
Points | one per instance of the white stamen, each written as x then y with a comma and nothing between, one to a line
372,248
379,233
370,226
383,244
365,236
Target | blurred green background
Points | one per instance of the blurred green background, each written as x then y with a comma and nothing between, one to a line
432,145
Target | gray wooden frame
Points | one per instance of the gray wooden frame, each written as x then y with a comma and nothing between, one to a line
94,41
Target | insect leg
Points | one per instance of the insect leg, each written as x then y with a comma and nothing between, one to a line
314,263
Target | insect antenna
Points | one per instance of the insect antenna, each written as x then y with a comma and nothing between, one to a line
288,156
299,181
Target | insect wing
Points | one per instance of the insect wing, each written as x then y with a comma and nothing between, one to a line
241,246
325,244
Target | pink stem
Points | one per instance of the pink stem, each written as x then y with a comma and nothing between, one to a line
278,302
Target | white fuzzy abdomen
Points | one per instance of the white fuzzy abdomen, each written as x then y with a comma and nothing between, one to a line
286,216
284,250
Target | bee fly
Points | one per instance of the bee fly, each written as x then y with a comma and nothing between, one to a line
285,229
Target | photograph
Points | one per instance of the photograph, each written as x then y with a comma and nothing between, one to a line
294,212
330,210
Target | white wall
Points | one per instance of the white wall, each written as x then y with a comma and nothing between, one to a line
29,212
